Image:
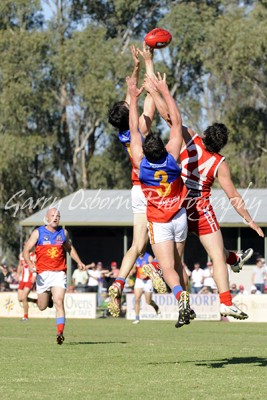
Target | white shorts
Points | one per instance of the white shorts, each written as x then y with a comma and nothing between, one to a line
175,230
145,285
138,200
48,279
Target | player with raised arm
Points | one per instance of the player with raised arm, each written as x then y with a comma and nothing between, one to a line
119,118
161,182
51,241
201,164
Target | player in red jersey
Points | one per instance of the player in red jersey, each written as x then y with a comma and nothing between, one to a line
119,118
201,164
26,282
51,241
161,182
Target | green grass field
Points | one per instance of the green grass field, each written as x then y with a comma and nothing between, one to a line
113,359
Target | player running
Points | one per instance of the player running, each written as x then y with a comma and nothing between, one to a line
51,241
26,283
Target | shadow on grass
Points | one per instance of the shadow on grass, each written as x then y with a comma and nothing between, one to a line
77,343
258,361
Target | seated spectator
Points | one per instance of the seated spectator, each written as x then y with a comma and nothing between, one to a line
242,290
197,278
254,290
79,279
14,279
233,289
205,290
5,276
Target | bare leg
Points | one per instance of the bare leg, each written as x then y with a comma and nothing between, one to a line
140,238
22,296
138,294
150,302
213,244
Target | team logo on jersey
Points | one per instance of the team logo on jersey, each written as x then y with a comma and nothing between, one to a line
52,252
59,239
46,240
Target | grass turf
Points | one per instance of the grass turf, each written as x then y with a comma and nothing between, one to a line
113,359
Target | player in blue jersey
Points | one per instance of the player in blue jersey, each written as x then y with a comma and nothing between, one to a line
51,242
119,118
161,182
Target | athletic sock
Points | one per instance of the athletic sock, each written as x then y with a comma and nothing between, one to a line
137,317
177,290
232,258
154,305
31,300
121,282
226,298
25,316
60,325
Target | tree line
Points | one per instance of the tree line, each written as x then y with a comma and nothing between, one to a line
64,62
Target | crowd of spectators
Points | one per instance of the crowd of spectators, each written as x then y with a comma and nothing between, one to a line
201,280
98,279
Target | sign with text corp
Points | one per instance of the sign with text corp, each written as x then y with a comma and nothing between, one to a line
77,305
206,307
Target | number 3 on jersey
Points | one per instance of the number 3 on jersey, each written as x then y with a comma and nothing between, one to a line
165,187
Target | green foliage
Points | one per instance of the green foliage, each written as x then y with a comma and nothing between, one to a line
59,77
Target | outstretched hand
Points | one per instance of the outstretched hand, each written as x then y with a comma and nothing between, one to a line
147,52
157,82
135,55
133,89
256,228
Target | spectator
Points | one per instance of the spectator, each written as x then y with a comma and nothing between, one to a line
242,290
5,276
197,278
254,290
233,289
259,275
101,294
94,276
14,279
208,277
205,290
79,279
110,276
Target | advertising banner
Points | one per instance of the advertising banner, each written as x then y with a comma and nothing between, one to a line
77,305
206,306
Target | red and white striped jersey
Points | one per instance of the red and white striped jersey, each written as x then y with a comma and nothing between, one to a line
199,167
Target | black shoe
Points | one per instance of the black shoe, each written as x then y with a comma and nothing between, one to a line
193,315
184,310
243,256
50,302
60,338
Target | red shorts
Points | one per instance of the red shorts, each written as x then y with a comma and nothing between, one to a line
22,285
201,218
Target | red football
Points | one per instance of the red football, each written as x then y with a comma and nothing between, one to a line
158,38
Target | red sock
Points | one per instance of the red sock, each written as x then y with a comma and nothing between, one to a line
155,264
60,328
226,298
25,316
121,282
232,258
